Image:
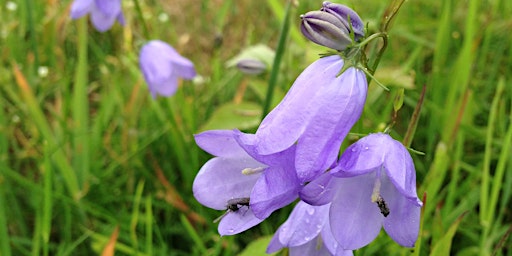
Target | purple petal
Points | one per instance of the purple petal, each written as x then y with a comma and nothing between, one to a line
303,225
276,188
110,8
282,126
166,88
341,102
101,21
220,143
400,169
313,248
80,8
403,222
321,190
325,29
343,13
248,143
330,242
236,222
221,179
275,244
364,156
355,220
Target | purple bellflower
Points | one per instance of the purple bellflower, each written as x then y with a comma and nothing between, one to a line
162,66
307,232
103,12
315,115
373,185
247,188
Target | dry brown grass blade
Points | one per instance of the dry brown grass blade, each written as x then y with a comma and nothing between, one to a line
109,249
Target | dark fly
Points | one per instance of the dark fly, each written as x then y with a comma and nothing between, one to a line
234,205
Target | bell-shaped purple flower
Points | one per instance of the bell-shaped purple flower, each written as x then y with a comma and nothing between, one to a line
247,188
315,115
103,12
307,232
162,66
373,185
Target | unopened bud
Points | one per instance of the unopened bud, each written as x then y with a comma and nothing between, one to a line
325,29
251,66
343,13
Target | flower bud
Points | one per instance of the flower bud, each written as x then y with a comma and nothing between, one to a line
325,29
251,66
343,13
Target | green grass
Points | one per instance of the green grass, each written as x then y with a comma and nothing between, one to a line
85,150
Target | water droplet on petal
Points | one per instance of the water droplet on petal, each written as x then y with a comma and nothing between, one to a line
311,211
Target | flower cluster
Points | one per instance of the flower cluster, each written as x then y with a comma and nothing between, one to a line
344,201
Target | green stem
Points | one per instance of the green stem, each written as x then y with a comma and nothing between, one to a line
145,29
277,61
411,129
81,159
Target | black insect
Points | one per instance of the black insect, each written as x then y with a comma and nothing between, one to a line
382,206
234,205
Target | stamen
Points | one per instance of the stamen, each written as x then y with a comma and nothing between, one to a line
249,171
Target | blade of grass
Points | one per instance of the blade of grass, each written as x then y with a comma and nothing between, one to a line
149,226
81,154
193,234
46,224
281,45
490,204
135,215
5,248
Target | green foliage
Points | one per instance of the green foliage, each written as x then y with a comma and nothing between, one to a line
84,149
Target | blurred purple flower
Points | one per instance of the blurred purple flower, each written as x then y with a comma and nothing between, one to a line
315,115
307,232
162,66
374,185
234,175
103,12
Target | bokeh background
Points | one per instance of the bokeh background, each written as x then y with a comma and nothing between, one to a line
91,164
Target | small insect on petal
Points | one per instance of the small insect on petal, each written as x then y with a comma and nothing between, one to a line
234,205
382,206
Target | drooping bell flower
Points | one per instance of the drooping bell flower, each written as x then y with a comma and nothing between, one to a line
307,232
330,26
373,186
247,189
103,12
162,66
315,115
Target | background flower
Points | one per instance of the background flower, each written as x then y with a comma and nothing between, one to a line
103,12
162,66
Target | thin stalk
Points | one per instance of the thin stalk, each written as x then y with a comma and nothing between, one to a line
411,129
277,61
81,157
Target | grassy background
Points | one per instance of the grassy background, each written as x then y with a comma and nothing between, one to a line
89,161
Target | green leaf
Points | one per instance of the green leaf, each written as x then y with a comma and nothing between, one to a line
442,247
257,247
244,115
